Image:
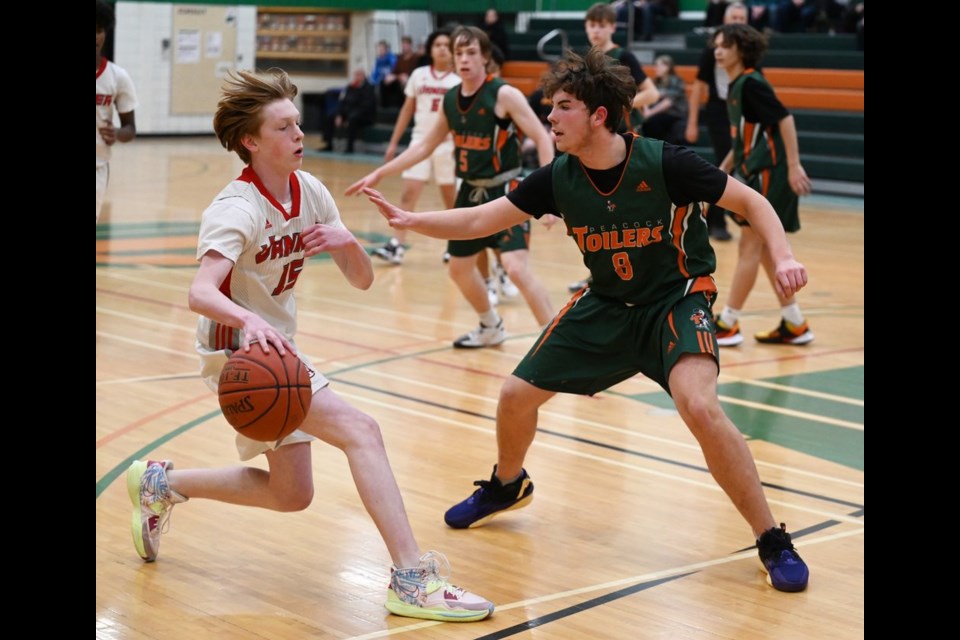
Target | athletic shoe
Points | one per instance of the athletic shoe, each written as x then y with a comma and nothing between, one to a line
573,287
786,571
153,500
507,288
446,257
423,592
786,333
392,252
492,296
482,337
490,499
727,336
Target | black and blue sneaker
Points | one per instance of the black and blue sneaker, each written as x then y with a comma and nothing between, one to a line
786,571
490,499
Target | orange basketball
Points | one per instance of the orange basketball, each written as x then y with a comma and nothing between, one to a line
264,396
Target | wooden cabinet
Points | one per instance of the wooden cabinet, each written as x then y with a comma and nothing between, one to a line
303,40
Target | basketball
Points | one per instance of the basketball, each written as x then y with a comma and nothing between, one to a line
264,396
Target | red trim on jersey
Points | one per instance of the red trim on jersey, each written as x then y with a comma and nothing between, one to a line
221,332
103,66
433,72
249,175
622,173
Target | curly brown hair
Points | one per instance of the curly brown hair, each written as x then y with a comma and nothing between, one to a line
751,44
597,80
245,94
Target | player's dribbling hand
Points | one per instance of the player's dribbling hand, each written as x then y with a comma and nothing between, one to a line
258,330
368,181
790,277
397,218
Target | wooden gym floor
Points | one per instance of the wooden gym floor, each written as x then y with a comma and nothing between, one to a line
628,536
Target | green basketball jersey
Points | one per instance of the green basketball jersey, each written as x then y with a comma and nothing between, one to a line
640,247
755,146
485,147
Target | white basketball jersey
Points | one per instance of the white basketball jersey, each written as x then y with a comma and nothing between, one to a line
246,225
115,94
428,87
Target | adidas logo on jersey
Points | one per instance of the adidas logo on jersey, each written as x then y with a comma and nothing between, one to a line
643,186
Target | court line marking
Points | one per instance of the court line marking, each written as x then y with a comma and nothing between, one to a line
597,425
711,486
613,584
795,390
193,355
147,345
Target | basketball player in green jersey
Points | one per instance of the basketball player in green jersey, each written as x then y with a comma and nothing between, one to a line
600,25
483,114
632,205
766,155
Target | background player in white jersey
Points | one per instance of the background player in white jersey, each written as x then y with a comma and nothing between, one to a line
254,238
424,90
115,94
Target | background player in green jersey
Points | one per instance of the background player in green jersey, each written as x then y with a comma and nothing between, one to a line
766,156
483,114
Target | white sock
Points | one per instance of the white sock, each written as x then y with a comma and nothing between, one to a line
791,313
729,316
489,319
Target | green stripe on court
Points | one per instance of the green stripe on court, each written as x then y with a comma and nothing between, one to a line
842,445
839,382
784,399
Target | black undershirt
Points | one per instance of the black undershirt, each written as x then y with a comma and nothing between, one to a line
689,178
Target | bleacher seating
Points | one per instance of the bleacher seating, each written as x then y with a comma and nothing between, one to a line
829,119
819,77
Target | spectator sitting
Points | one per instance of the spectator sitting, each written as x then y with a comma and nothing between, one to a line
645,13
356,110
666,119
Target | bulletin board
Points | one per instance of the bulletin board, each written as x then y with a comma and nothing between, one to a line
204,44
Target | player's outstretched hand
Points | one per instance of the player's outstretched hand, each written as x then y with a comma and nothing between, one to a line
370,180
791,276
396,217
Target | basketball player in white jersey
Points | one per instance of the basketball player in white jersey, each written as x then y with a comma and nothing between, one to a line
424,90
254,239
115,95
